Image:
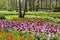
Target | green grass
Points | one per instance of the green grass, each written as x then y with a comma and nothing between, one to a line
29,12
16,16
32,14
8,12
11,16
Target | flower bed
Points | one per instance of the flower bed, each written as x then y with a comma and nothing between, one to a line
30,30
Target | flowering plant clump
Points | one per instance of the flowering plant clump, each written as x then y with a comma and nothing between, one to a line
1,33
9,37
29,27
20,38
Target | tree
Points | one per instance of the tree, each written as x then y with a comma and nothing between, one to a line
41,4
16,7
33,4
37,5
7,4
2,3
46,5
59,3
50,4
12,5
25,8
25,5
22,14
56,2
30,5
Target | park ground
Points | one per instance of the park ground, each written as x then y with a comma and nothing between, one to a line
16,34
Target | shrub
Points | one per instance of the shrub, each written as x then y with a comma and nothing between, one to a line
2,16
56,9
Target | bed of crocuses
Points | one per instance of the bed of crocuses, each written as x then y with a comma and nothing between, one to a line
28,30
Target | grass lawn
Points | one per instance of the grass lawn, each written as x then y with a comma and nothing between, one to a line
36,15
33,14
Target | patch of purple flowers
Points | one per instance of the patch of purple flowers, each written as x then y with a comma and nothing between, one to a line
31,27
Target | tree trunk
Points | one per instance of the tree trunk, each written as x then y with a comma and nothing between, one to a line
50,4
46,5
30,8
20,11
14,5
59,3
11,4
41,4
56,2
37,6
25,8
25,5
16,8
8,5
33,5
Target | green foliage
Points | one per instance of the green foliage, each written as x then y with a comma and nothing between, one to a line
56,9
2,16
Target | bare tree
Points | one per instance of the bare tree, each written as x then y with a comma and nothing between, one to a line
30,5
50,4
16,7
37,5
56,2
25,8
41,4
22,14
25,5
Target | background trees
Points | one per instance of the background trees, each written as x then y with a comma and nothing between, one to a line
30,5
2,5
